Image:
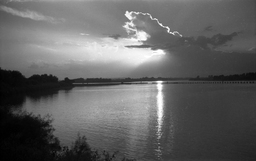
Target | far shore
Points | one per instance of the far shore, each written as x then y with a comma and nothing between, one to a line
164,82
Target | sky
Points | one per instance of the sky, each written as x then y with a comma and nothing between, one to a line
128,38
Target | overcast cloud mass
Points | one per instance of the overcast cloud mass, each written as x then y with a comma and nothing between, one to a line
128,38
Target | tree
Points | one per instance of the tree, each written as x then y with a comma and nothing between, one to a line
27,137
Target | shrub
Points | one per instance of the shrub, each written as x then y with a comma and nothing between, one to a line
27,137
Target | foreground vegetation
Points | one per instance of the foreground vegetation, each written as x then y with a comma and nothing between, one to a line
27,137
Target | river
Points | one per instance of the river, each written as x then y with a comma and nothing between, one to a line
156,121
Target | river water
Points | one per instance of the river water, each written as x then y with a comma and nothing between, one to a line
156,121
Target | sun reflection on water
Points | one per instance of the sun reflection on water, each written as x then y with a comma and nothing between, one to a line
159,109
160,104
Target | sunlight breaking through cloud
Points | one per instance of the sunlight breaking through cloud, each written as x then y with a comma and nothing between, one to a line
131,26
147,30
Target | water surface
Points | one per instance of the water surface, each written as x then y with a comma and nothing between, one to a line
157,121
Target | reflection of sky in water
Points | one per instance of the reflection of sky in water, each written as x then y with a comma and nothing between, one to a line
160,103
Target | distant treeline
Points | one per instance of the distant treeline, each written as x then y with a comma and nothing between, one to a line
15,82
235,77
244,76
128,79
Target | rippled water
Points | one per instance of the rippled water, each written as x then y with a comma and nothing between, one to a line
157,121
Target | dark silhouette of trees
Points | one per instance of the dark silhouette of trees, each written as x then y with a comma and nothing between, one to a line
13,82
38,79
16,79
68,81
244,76
92,80
235,77
12,78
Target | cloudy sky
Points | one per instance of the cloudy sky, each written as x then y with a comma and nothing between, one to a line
128,38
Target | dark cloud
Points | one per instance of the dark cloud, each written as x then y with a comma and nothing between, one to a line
152,34
214,41
208,28
202,55
115,36
138,46
220,39
34,66
38,65
201,41
253,49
